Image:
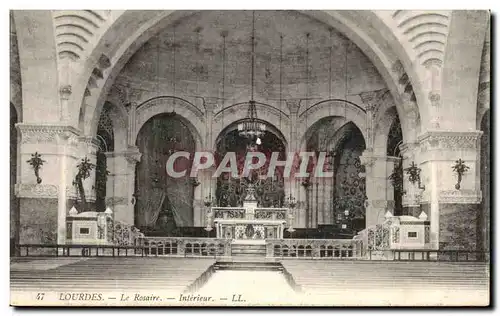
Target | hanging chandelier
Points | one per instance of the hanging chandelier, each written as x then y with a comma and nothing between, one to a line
250,127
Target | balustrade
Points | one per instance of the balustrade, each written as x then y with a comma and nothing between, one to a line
184,246
315,248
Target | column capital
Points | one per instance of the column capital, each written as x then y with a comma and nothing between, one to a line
211,103
45,134
293,105
372,99
445,140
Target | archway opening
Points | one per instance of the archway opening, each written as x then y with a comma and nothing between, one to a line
335,205
269,191
350,183
164,204
105,139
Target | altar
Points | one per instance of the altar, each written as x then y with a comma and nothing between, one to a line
250,223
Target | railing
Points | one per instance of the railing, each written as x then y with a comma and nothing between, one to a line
271,213
315,248
228,212
184,246
211,247
76,250
440,255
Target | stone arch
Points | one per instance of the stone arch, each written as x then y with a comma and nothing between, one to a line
381,49
464,48
190,114
37,57
130,30
377,40
340,135
341,108
230,116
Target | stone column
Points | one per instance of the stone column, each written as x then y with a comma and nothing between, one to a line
43,206
121,183
379,190
453,212
295,188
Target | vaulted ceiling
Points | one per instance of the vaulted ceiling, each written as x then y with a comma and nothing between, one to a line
209,54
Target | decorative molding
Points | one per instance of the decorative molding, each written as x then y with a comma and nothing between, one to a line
460,196
27,190
43,134
450,140
163,100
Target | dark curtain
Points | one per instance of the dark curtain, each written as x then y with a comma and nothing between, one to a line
162,199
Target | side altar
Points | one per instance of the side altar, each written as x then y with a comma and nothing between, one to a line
249,223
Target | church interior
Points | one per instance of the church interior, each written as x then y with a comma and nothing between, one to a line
399,102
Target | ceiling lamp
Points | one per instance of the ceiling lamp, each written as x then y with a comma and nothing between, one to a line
250,127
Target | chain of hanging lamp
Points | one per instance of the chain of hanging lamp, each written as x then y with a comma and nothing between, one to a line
250,127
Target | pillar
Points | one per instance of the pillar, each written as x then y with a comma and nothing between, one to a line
379,190
121,183
44,205
295,188
453,212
